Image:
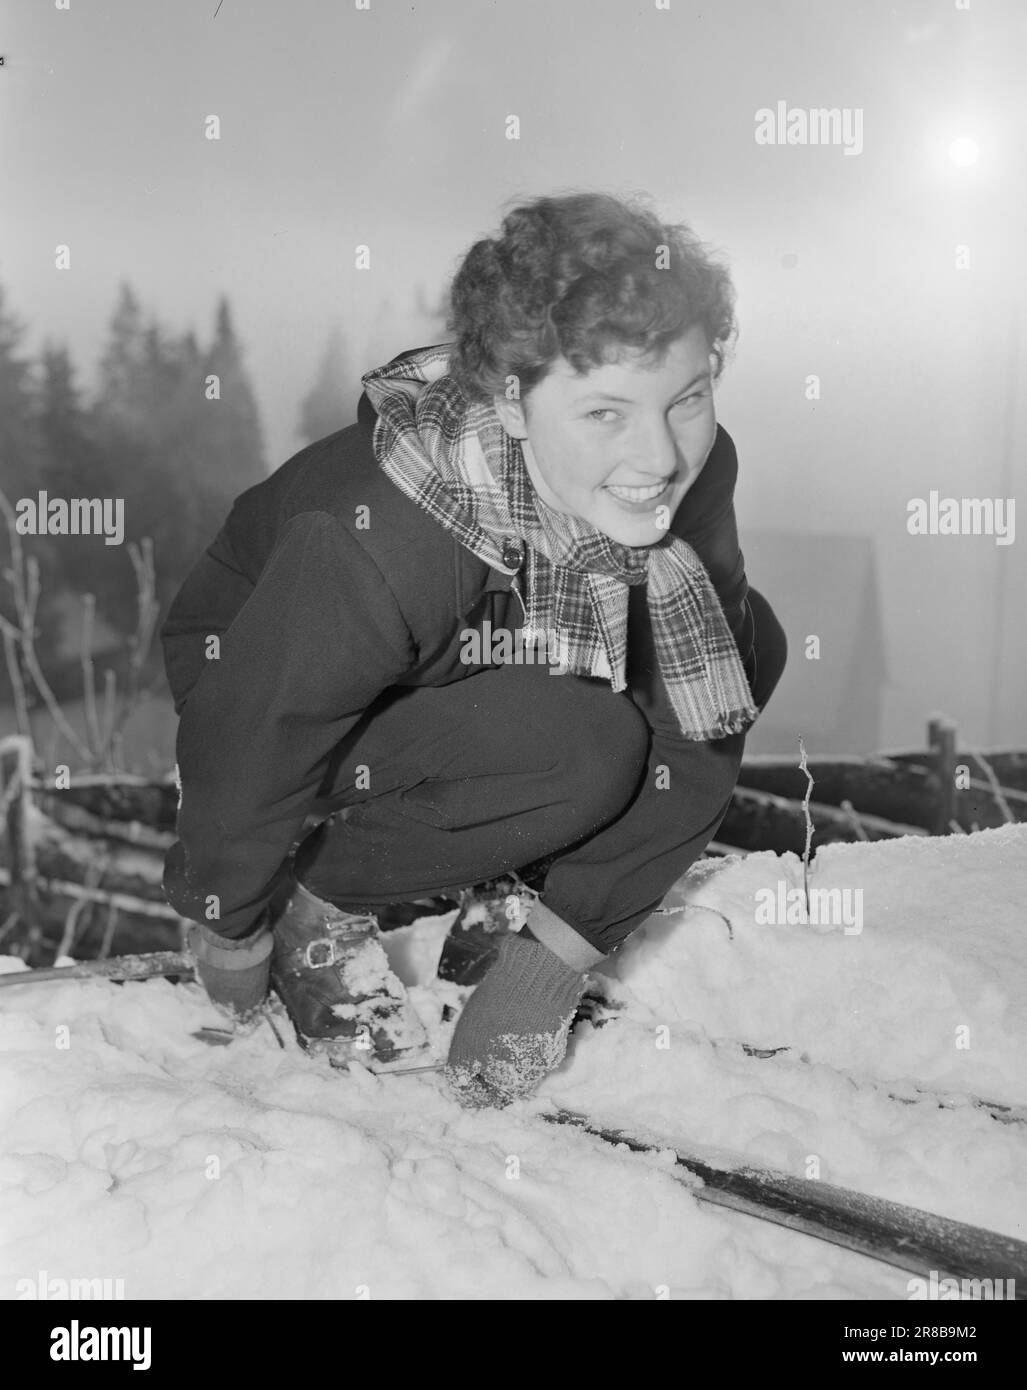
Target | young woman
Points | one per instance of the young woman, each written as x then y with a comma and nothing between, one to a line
502,619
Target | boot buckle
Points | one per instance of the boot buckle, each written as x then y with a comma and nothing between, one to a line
330,950
319,953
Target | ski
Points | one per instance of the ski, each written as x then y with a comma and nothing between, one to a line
598,1011
907,1238
145,966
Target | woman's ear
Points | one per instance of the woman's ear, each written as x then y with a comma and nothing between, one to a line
511,416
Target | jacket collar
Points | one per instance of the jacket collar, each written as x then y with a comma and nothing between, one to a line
496,581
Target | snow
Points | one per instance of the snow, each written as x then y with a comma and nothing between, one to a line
137,1152
365,971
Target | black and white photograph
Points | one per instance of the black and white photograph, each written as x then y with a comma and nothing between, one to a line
513,701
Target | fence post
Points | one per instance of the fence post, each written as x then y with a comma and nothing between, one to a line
15,783
941,736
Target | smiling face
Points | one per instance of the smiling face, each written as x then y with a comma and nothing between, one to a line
620,445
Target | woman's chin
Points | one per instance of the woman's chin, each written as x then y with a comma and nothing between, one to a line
634,531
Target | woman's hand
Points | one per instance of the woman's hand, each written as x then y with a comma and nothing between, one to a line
513,1030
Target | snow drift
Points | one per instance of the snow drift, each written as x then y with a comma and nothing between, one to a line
132,1151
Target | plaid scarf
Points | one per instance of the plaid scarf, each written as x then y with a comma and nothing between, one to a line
455,460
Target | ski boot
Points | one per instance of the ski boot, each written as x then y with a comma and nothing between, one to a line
331,973
487,910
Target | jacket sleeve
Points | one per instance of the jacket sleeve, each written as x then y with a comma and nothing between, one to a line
319,637
206,605
706,520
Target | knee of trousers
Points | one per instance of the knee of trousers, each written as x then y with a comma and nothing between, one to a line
602,761
698,785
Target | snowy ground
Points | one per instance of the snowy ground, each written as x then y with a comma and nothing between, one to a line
139,1153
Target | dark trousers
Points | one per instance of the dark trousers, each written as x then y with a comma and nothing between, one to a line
442,787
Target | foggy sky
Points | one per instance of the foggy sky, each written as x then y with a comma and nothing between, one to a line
385,127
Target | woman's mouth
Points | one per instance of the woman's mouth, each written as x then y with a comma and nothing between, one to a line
638,496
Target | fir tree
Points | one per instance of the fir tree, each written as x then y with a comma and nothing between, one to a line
72,465
19,438
122,362
231,438
22,475
330,404
183,457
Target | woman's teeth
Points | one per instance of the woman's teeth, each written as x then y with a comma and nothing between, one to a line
637,494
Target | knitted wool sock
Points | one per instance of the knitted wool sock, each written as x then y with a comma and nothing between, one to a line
234,973
514,1027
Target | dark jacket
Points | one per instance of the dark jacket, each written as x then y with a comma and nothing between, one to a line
326,586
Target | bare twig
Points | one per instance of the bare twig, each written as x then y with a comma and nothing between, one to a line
50,756
26,592
80,906
147,613
110,709
89,676
996,787
74,912
21,709
852,815
108,930
147,610
104,739
20,778
15,574
16,821
696,907
266,1012
804,767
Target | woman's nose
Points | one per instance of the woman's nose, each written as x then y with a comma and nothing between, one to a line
655,453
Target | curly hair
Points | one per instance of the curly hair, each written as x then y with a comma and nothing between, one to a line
586,276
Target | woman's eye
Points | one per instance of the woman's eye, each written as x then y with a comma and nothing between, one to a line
691,399
602,411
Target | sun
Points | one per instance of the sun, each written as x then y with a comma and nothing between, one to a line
964,151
